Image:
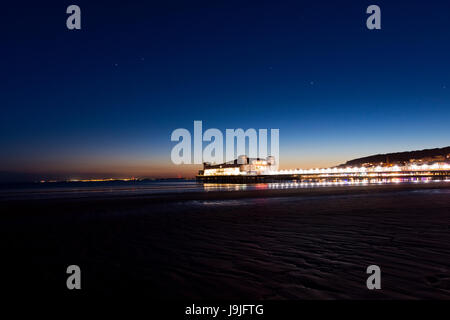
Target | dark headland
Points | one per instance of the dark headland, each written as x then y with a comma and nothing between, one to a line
426,155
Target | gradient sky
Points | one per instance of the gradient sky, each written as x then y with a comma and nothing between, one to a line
103,101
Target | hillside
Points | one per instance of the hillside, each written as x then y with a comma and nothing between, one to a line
400,157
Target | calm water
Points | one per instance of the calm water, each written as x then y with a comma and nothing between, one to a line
111,188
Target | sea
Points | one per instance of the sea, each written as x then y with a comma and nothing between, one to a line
79,189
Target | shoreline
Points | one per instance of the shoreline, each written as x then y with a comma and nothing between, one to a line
170,197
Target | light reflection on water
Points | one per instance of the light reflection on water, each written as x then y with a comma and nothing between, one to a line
109,189
313,184
305,185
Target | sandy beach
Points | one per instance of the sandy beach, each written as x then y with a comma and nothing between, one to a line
257,244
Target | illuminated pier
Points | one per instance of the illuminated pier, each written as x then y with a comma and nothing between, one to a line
257,170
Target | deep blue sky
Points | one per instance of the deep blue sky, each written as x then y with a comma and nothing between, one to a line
104,100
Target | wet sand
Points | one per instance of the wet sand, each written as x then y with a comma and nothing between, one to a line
258,244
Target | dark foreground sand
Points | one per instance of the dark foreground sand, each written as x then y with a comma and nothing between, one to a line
269,244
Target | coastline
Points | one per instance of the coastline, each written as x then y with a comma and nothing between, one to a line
167,197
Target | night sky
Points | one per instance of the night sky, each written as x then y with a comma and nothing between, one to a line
102,101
